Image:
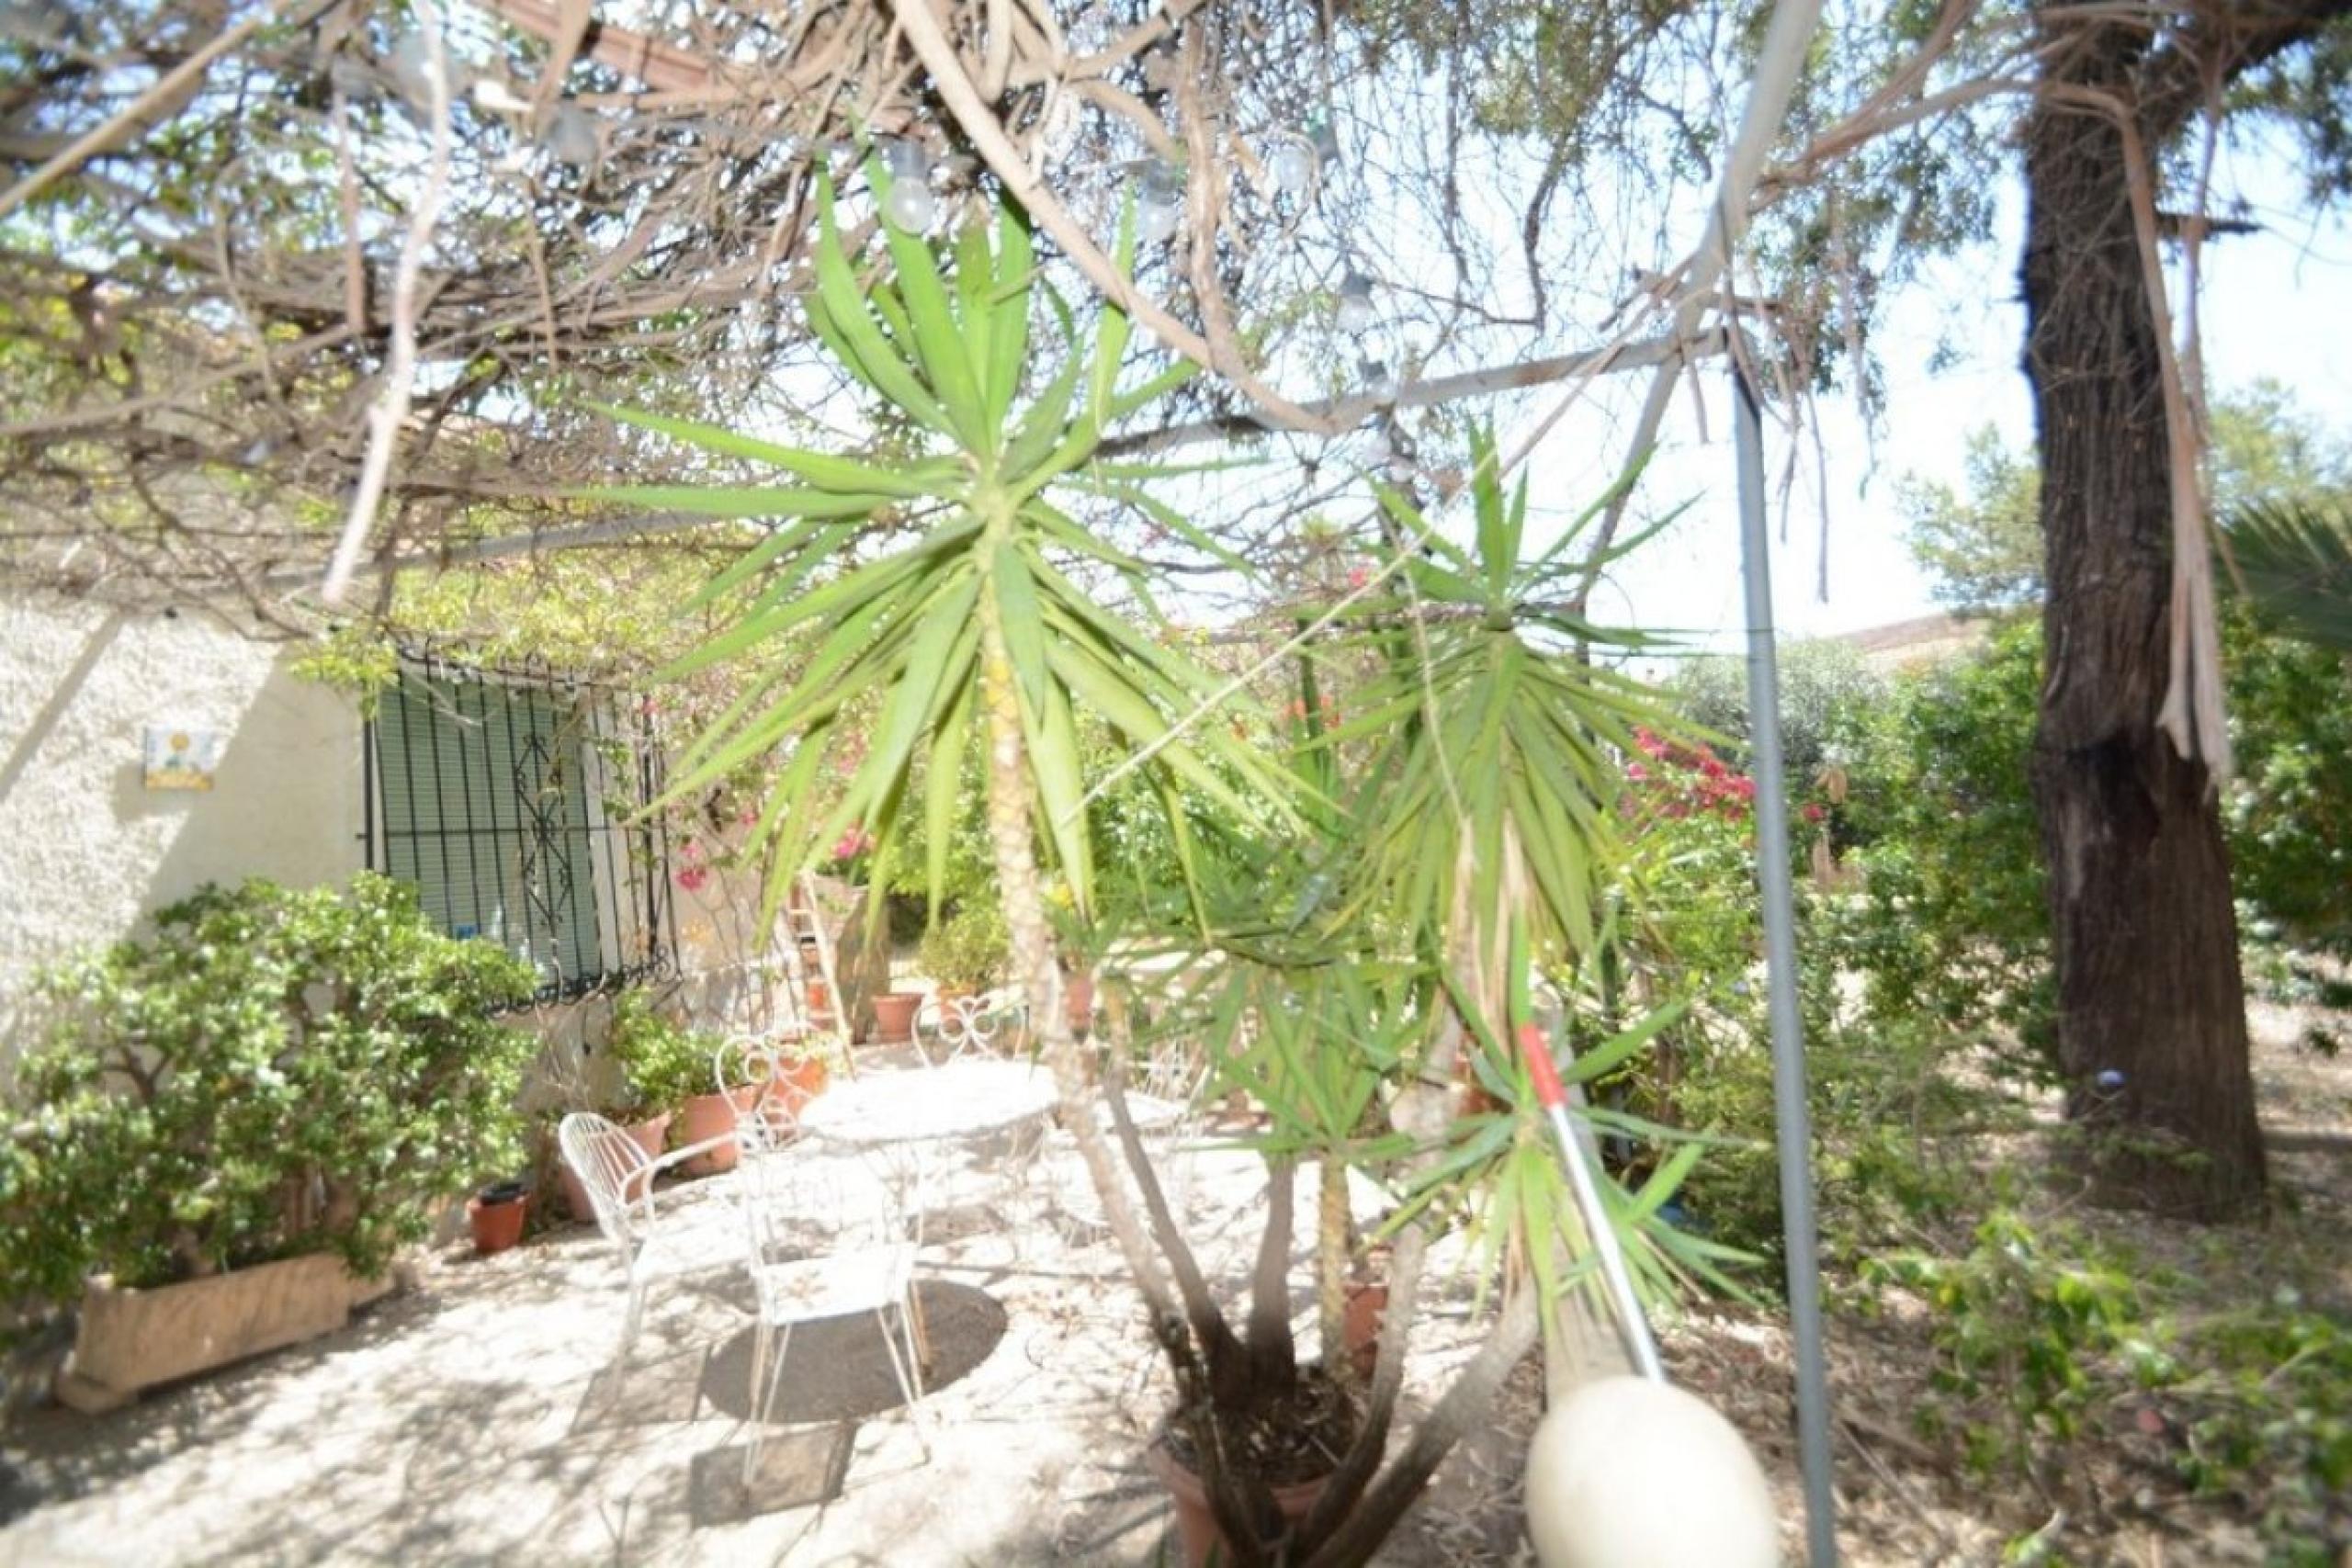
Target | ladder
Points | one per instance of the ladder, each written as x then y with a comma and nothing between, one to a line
809,961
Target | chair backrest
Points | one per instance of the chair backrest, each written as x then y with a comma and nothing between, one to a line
986,1023
616,1171
797,1200
763,1062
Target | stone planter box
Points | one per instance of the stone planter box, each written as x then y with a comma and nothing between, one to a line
132,1339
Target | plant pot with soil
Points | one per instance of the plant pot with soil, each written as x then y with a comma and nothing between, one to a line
894,1017
496,1215
1292,1443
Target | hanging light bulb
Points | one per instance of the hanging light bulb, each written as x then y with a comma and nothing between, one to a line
1291,164
1324,142
910,206
1355,313
41,24
1379,381
1159,203
409,63
570,137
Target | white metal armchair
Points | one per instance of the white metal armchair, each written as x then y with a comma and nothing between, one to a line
618,1176
824,1242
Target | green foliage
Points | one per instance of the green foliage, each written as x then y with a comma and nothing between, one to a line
1495,743
1981,545
2044,1337
1833,707
2295,561
892,683
2290,810
273,1072
2021,1322
660,1063
1952,927
967,951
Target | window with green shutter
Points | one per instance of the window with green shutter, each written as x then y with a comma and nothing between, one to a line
499,800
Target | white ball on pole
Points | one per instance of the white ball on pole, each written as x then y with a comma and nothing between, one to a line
1630,1473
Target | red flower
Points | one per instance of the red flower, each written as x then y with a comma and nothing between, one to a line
692,878
1744,787
1814,813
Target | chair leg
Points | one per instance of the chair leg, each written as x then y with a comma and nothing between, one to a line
909,1370
632,1318
769,1347
760,1332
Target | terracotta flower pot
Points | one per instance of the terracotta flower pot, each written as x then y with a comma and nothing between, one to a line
651,1137
714,1115
1360,1326
497,1226
894,1017
802,1079
1195,1526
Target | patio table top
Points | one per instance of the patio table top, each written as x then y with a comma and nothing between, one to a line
962,1100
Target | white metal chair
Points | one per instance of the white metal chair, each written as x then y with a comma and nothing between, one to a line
617,1175
1165,1102
988,1023
824,1241
760,1061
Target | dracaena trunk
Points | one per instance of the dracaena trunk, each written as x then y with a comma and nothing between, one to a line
1243,1507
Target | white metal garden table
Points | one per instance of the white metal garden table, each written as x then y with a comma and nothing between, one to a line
895,1120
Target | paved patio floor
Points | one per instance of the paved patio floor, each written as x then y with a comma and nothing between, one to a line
479,1417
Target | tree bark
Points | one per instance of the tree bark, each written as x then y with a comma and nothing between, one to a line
2152,1012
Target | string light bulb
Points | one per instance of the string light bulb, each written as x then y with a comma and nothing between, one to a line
910,206
570,137
1159,203
1324,142
1292,164
1355,313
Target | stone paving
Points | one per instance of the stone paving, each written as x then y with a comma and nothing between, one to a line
480,1415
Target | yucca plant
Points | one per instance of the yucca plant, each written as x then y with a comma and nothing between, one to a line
978,631
2294,561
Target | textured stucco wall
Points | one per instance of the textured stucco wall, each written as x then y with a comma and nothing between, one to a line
86,848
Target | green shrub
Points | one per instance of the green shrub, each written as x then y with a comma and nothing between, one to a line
274,1072
967,951
660,1063
2044,1336
1953,928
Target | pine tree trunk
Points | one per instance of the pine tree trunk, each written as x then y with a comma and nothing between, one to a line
2145,938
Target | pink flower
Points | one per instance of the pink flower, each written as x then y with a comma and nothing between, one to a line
852,844
1744,787
692,878
691,849
1814,813
746,818
1636,773
1358,576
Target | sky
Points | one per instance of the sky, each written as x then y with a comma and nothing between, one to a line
2274,304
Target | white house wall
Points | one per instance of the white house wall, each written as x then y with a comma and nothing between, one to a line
87,849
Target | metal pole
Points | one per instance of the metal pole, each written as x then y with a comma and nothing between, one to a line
1790,1114
1632,1328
